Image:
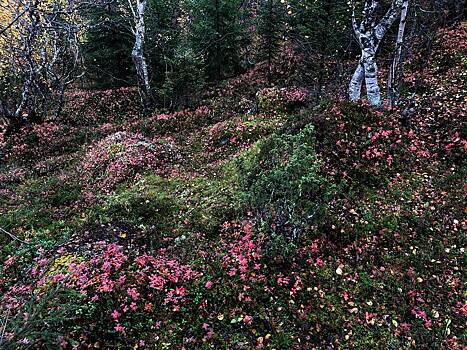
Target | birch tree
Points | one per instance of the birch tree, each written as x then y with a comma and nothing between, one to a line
369,35
40,57
396,70
29,39
139,31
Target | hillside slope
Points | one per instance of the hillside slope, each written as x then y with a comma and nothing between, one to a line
254,221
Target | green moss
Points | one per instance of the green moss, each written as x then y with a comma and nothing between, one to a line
65,194
151,201
30,218
49,191
210,202
173,205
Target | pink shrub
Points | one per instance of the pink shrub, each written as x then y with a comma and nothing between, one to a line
120,157
274,98
295,94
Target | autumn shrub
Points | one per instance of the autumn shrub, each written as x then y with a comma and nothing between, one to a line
236,134
170,122
363,146
122,157
281,99
86,107
106,295
37,141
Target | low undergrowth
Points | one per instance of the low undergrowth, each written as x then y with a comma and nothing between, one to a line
242,224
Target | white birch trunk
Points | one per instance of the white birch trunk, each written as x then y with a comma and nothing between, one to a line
29,40
371,78
138,52
395,72
369,35
355,86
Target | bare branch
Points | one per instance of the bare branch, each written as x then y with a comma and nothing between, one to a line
14,21
12,236
354,21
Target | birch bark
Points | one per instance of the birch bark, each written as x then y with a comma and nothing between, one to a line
369,36
31,24
138,51
355,87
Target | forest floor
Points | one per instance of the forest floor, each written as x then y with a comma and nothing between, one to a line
254,221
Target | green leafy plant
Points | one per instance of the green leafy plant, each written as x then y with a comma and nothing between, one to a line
282,183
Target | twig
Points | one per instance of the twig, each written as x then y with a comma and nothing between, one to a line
3,30
2,334
12,236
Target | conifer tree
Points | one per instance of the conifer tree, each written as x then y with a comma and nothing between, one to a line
271,22
218,35
107,45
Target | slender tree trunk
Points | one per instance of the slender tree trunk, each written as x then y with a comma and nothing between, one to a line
396,70
138,53
24,96
366,70
29,40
